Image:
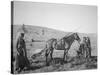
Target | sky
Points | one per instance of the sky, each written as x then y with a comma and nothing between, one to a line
65,17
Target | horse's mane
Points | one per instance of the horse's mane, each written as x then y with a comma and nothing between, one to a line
52,39
67,36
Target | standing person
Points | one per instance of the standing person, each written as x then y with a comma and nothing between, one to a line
85,48
80,52
82,49
88,47
22,60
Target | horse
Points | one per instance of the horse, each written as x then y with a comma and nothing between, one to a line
62,44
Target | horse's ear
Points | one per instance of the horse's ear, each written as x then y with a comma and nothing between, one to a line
76,33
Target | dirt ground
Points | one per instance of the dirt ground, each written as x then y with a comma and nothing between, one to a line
72,63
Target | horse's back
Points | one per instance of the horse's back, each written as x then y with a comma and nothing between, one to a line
50,43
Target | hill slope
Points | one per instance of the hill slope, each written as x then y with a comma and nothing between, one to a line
43,34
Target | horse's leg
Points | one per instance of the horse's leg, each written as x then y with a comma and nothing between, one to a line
89,52
51,53
46,55
64,56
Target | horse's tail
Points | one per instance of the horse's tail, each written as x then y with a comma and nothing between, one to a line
50,44
45,50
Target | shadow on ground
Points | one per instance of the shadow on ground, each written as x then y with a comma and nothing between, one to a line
72,63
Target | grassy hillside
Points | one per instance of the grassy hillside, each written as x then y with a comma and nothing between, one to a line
42,34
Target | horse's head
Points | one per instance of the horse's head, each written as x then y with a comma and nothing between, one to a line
77,37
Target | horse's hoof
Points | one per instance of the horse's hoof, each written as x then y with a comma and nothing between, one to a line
62,63
47,64
65,61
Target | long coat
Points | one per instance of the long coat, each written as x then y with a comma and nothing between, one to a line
21,59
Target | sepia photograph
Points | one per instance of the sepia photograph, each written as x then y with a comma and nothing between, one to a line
53,37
